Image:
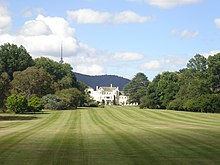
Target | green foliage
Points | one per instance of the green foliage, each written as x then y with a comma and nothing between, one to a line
167,87
198,63
205,103
52,102
62,74
176,104
4,88
16,103
14,58
214,72
35,104
137,87
70,98
32,82
161,91
192,86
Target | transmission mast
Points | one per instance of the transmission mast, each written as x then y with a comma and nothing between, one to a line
61,53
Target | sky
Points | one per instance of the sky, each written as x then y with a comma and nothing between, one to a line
115,37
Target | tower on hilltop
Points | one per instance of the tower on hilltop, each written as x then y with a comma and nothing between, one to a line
61,53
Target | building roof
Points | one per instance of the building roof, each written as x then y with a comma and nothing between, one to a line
108,89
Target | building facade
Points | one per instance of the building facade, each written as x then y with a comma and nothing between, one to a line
108,95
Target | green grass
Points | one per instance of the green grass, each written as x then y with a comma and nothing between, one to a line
111,135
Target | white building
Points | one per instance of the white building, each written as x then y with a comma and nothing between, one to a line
109,95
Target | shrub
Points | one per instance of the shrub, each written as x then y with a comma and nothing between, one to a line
176,104
35,104
52,102
92,104
70,98
16,103
210,103
205,103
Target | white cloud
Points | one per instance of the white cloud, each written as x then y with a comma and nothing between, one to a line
130,17
169,63
89,16
166,4
42,36
152,65
217,22
184,34
128,56
5,18
85,16
93,69
35,28
210,53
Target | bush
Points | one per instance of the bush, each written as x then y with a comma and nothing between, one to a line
92,104
205,103
52,102
35,104
70,98
176,104
16,103
210,103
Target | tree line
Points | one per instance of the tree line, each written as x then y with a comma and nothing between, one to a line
28,84
195,88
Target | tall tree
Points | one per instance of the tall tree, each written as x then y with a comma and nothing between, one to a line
151,98
167,87
32,81
4,88
70,98
161,91
193,84
62,74
214,72
197,63
14,58
137,87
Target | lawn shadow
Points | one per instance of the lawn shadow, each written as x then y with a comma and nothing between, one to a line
11,118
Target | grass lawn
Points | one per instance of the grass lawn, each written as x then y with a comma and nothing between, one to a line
111,135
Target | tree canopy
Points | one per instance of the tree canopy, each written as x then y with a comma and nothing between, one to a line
14,58
32,81
137,87
195,88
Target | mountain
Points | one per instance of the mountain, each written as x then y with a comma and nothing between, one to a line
103,80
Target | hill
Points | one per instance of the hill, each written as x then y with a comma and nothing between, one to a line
102,80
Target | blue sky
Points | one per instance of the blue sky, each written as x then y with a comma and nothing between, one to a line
120,37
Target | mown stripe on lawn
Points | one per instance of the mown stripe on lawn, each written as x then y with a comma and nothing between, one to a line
137,151
193,138
19,135
25,141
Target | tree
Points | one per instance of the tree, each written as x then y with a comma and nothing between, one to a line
16,103
4,88
32,82
70,98
161,91
197,63
193,84
62,74
151,99
137,87
204,103
214,73
167,87
14,58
